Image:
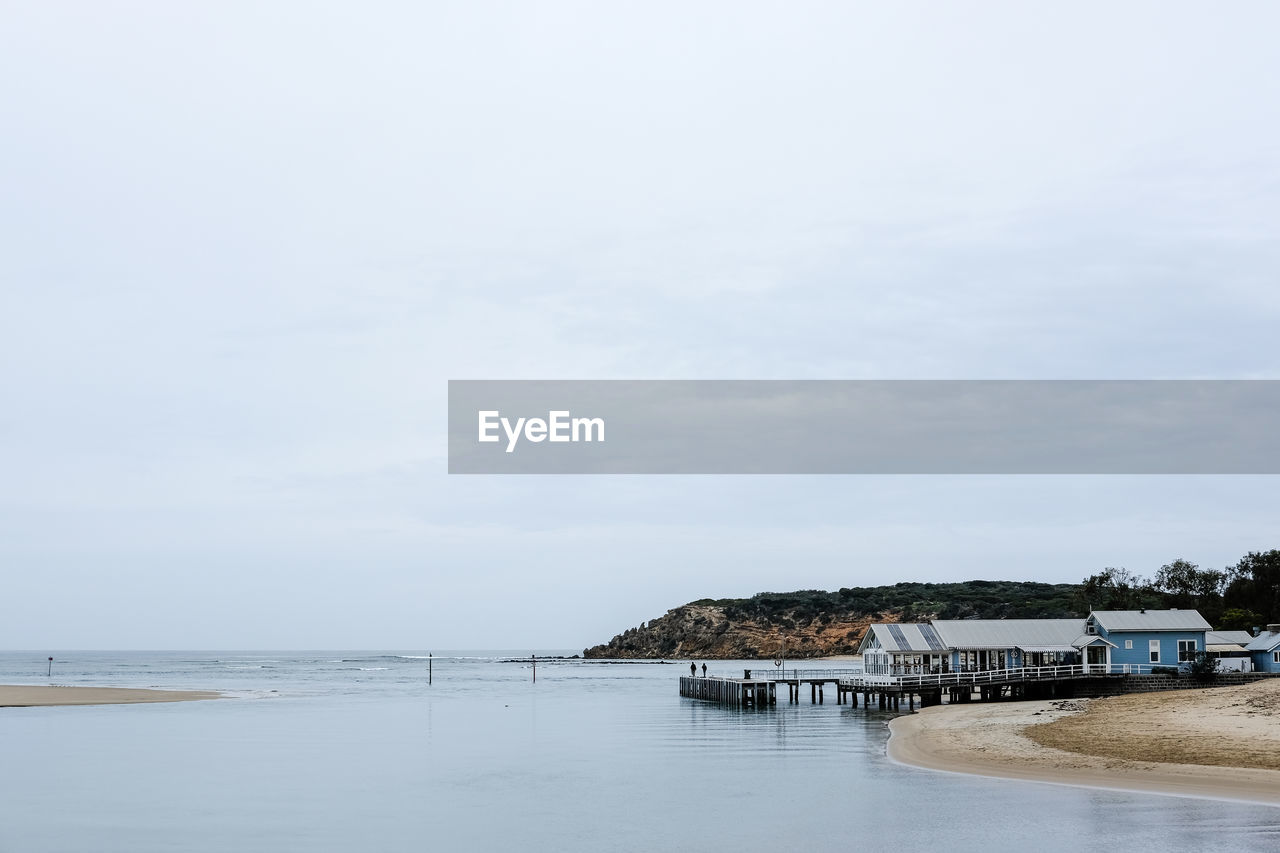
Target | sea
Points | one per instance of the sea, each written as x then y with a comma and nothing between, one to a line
467,751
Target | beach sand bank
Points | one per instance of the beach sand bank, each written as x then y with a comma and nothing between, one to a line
32,696
1221,742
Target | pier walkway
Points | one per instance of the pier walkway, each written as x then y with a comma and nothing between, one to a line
756,690
887,691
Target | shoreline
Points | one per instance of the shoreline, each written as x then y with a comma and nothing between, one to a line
992,739
51,696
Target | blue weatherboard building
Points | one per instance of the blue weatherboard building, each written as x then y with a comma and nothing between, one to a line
1108,641
1149,637
1265,650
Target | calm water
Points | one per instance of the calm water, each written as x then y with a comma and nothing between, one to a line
353,751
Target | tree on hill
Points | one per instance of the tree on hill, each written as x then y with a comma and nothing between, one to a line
1235,619
1186,586
1254,584
1116,589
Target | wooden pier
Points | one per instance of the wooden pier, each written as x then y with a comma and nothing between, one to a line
740,692
761,692
889,693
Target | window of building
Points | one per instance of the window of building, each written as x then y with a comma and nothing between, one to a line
1275,656
1153,646
1186,650
1128,644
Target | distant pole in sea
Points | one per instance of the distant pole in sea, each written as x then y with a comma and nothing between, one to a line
428,669
49,674
535,669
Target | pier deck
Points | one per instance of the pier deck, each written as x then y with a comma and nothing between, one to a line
748,692
888,691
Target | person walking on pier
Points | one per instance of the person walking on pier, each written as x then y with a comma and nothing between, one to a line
693,669
704,670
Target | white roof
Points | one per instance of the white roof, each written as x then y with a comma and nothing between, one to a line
1008,633
1151,620
905,637
1264,642
1227,641
1092,640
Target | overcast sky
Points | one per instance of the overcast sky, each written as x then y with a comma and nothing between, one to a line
244,246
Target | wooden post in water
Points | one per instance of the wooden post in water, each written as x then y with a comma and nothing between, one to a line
535,669
49,674
429,669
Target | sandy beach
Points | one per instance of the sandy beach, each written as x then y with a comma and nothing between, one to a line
31,696
1221,742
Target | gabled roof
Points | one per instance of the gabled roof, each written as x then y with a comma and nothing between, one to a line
1264,642
904,637
1151,620
1092,640
1008,633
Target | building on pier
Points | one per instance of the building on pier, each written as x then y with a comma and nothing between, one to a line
1135,640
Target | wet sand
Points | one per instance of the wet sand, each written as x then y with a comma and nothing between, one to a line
32,696
1221,742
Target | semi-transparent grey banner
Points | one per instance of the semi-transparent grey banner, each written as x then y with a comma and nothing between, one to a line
864,427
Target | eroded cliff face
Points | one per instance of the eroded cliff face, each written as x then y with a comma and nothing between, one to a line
705,631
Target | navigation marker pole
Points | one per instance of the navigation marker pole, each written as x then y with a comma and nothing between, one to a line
429,669
535,669
49,674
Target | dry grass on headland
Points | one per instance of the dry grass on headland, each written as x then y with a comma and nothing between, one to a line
1220,742
31,696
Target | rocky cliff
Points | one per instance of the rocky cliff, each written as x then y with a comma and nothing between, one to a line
817,623
706,631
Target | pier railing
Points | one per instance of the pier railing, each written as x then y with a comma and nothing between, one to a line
775,674
993,676
905,677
